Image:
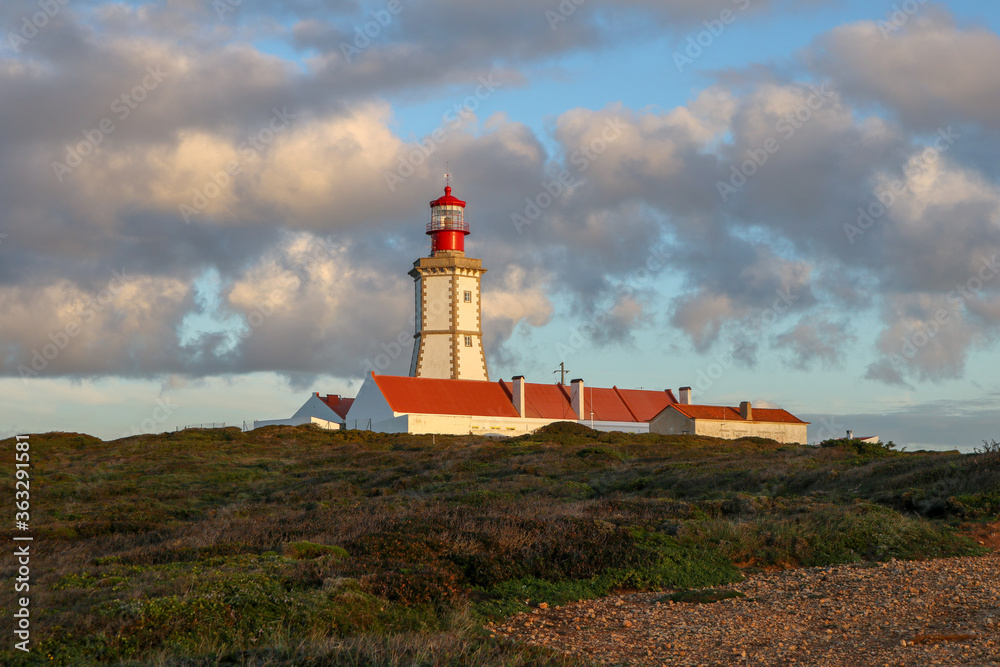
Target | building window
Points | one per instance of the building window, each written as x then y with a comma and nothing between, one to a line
468,297
468,341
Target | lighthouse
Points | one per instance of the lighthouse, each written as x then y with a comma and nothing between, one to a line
448,337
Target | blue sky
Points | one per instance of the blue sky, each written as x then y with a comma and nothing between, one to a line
289,273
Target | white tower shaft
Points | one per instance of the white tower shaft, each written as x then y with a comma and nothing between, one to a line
448,342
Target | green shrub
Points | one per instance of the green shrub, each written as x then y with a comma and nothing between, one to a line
432,582
305,550
977,505
563,433
828,535
652,561
603,454
864,451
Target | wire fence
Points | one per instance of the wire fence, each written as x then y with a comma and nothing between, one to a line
210,425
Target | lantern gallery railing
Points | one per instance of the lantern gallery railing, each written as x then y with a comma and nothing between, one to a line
447,224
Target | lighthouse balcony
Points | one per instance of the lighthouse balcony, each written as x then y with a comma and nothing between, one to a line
447,224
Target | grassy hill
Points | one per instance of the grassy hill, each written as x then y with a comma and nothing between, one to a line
291,545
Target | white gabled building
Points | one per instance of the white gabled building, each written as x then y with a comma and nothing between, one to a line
328,413
396,404
719,421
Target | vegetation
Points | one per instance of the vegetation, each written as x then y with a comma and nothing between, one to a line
292,545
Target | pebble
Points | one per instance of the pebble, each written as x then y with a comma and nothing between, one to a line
850,615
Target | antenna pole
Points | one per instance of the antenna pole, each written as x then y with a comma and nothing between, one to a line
562,372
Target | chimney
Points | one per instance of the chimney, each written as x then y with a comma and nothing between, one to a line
850,435
518,383
685,393
746,411
577,398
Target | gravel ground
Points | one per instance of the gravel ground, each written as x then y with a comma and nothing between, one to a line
936,612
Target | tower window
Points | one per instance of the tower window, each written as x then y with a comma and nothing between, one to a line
468,296
468,341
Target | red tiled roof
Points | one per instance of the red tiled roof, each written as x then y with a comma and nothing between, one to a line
445,397
722,413
645,404
554,401
606,405
708,412
543,401
338,404
775,415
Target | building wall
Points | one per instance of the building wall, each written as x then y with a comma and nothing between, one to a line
370,407
624,427
477,425
672,422
325,424
471,360
437,306
371,411
443,424
731,430
315,407
467,313
480,425
417,326
398,424
432,352
313,411
435,361
444,319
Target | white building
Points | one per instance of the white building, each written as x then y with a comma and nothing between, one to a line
720,421
328,413
396,404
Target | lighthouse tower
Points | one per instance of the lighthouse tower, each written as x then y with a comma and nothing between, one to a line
448,342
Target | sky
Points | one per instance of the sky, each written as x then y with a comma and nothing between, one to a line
208,208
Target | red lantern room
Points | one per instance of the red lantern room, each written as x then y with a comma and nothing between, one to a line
447,227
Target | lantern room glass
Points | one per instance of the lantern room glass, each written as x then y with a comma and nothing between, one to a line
447,217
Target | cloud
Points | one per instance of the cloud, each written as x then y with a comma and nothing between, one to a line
514,297
928,70
927,337
782,227
814,340
764,264
126,327
300,307
702,315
